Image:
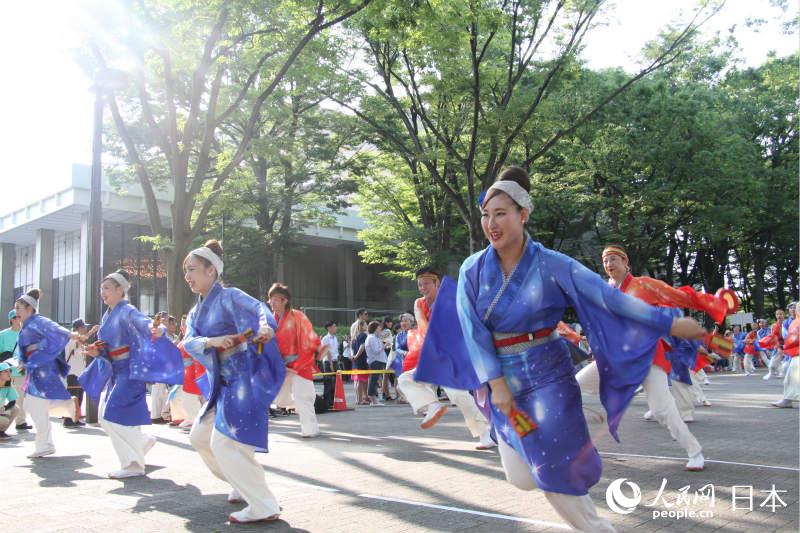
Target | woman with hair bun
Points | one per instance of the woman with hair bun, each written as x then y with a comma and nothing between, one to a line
231,335
40,348
509,300
130,353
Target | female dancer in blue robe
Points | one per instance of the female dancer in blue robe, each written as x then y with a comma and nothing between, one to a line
130,353
509,299
244,378
40,349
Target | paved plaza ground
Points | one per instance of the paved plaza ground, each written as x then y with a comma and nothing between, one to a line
374,470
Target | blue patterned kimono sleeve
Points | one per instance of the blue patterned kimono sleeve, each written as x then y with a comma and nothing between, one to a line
477,338
682,357
269,370
155,360
195,345
53,339
96,376
444,359
623,331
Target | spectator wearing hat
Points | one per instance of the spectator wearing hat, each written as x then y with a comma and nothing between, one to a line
8,400
8,342
75,355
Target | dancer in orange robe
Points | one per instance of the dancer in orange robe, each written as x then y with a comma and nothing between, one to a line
656,385
298,344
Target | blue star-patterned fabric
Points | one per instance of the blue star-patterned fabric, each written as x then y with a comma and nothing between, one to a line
400,350
621,330
682,357
150,360
443,359
738,342
242,388
45,364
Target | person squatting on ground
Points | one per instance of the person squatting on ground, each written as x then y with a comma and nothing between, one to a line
8,400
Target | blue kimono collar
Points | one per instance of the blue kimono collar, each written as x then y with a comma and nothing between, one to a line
491,303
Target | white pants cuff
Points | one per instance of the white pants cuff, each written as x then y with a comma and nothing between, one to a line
473,418
664,409
300,393
419,395
235,463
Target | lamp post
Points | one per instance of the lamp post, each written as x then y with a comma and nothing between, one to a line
105,80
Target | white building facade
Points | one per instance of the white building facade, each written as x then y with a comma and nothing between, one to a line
44,245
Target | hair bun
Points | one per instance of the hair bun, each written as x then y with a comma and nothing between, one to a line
214,246
516,174
34,293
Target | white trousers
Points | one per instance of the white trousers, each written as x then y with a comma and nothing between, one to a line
664,409
684,399
176,410
191,406
128,441
421,395
18,382
776,363
791,380
158,400
747,364
235,463
39,409
736,362
697,387
659,400
578,511
764,358
300,393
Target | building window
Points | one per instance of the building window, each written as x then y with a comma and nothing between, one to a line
23,270
123,249
66,276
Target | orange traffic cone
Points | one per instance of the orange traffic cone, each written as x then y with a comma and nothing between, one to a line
339,400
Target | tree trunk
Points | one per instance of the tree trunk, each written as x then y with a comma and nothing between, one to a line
759,269
176,287
476,237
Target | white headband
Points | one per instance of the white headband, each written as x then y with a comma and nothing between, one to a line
207,254
121,281
514,190
30,300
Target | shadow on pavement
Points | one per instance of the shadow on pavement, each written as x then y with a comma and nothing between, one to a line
202,513
60,470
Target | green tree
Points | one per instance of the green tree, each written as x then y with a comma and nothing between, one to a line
191,68
767,244
458,89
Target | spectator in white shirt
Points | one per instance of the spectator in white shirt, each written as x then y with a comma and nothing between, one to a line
75,355
376,358
361,314
331,355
